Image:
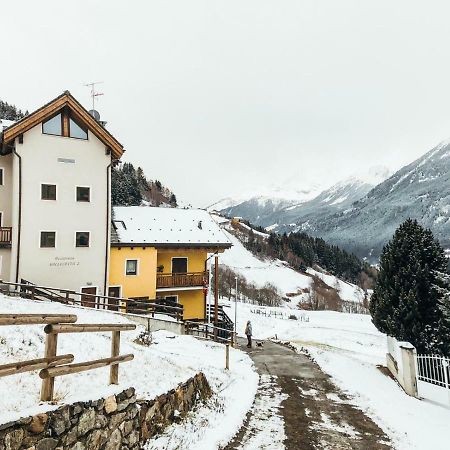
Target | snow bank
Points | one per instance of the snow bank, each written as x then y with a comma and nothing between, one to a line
170,360
348,347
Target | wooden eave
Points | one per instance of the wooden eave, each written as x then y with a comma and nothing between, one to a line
177,246
52,108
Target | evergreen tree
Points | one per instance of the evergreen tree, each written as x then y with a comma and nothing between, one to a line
173,200
408,297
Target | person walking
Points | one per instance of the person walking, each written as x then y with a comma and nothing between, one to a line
248,332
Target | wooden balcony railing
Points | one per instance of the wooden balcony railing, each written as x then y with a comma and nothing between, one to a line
169,280
5,235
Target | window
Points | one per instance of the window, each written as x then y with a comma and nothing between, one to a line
1,218
83,194
179,265
53,126
131,267
77,131
172,298
48,191
48,239
1,176
82,239
64,124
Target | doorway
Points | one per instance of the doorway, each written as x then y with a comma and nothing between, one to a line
113,303
87,300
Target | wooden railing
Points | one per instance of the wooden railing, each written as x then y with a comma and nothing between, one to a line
5,235
169,280
53,365
209,331
68,297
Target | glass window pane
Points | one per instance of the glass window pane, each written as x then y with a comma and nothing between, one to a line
82,239
48,239
48,192
131,267
53,126
76,131
83,194
179,265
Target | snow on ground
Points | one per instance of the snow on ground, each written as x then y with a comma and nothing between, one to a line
261,272
280,274
349,348
265,429
347,291
170,360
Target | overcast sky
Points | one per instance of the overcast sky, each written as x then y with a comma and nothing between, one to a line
216,98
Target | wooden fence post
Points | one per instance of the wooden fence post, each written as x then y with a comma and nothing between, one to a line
227,357
115,349
48,385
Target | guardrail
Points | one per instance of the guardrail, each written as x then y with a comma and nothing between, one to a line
69,297
209,331
53,365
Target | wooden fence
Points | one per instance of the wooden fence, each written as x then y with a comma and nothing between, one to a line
53,365
68,297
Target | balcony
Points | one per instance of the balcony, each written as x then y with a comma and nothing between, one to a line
5,236
181,280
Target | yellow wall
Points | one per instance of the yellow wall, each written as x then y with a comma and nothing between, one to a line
193,302
196,259
141,285
144,284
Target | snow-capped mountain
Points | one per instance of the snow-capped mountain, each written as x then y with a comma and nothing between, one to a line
277,213
420,190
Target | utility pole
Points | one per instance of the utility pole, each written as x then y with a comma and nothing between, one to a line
235,312
216,291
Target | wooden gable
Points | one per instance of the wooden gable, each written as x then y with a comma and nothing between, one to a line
66,100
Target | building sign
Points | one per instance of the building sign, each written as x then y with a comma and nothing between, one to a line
64,261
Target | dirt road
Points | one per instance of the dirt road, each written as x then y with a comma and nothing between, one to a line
297,406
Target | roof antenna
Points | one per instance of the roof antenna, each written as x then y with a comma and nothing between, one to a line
94,95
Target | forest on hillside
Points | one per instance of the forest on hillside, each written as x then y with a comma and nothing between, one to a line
11,112
301,251
131,187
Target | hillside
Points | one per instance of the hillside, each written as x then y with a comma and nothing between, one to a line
297,288
131,187
420,191
278,213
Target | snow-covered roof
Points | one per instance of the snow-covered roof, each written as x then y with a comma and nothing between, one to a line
5,123
167,227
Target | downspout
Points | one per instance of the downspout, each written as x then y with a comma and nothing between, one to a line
19,221
108,220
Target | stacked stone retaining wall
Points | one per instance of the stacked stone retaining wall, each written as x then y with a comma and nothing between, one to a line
118,422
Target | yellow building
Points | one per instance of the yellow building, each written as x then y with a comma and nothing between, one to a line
161,253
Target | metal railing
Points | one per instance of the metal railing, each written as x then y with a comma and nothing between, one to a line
97,301
191,279
5,235
434,369
209,331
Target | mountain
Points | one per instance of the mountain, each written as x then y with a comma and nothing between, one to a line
280,214
420,190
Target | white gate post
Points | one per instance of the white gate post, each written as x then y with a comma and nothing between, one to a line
408,355
444,367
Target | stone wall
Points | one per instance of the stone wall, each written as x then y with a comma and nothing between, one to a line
117,422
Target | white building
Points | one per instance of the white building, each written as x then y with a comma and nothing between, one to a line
55,196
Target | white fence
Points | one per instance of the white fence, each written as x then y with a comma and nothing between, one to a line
433,374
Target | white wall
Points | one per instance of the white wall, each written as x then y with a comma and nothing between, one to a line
64,266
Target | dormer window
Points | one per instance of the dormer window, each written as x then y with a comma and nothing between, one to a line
64,124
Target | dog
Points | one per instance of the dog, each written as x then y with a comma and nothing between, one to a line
260,344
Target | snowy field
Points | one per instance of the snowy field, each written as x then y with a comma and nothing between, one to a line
348,347
279,274
170,360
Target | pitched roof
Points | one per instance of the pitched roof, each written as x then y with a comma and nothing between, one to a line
166,227
44,112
